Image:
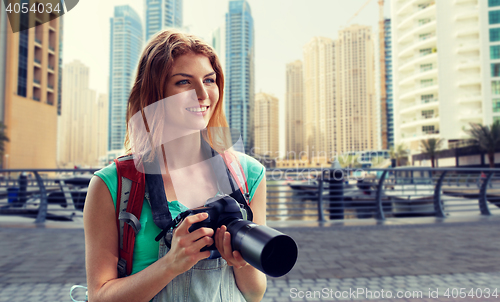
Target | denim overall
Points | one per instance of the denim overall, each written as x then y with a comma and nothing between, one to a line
209,280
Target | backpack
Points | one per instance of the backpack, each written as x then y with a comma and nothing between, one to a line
132,191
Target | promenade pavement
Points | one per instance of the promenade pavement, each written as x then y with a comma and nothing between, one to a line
350,260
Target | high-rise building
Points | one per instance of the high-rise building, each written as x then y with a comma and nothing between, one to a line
294,104
101,122
356,128
81,120
490,48
125,49
160,14
266,114
446,70
389,114
321,116
239,71
29,80
218,41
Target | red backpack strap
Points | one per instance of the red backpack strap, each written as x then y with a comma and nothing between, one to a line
236,170
129,201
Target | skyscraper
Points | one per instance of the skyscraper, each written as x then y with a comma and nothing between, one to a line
101,122
239,73
294,106
491,73
266,125
29,68
389,118
218,41
160,14
444,81
81,120
355,90
319,97
125,49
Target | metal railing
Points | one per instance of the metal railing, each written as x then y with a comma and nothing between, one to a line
382,193
292,194
44,194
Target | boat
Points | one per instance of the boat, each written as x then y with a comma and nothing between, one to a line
411,192
304,186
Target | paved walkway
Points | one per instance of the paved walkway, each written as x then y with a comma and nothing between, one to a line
336,262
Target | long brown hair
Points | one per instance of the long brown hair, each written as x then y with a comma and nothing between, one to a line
153,71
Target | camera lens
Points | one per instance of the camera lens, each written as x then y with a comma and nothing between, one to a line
266,249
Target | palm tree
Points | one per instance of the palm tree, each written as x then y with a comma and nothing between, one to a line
398,153
431,146
351,161
487,137
3,139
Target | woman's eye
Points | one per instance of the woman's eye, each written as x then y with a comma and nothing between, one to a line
209,80
182,82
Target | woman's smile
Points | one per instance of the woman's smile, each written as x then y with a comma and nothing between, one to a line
201,110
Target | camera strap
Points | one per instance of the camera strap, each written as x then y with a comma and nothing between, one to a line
173,224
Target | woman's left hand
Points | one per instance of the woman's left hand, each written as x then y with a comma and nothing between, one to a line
223,244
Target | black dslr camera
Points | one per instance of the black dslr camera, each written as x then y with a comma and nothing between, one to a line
266,249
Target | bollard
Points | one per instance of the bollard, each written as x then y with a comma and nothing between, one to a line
23,185
336,194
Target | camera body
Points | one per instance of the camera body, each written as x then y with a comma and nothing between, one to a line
266,249
221,210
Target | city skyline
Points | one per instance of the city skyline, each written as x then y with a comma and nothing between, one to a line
278,41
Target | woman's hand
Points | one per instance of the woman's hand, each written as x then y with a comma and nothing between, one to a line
223,244
186,246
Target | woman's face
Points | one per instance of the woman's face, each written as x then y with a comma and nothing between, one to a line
192,92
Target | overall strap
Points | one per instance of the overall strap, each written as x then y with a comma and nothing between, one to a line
231,178
131,192
236,170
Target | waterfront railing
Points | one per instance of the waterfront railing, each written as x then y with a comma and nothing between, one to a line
298,194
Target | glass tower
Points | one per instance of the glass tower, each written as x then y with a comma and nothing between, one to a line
388,82
125,49
239,73
161,14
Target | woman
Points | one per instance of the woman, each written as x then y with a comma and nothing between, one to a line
173,68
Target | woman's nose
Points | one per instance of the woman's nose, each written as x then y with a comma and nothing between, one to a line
201,92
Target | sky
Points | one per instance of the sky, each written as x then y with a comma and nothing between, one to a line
282,28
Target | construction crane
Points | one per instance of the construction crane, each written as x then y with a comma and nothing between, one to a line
359,10
383,93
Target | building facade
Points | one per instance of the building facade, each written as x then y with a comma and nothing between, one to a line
266,114
355,106
239,70
294,106
319,98
218,41
444,68
389,114
125,49
160,14
101,121
30,87
490,46
82,120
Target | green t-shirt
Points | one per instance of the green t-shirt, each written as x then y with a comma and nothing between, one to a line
146,248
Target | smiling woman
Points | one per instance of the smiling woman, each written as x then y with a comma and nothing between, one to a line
177,102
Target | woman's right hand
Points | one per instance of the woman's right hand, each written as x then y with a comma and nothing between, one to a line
185,249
